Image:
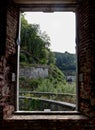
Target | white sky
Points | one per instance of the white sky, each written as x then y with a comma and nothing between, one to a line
60,27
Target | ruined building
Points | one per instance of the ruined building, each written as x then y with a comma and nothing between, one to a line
84,117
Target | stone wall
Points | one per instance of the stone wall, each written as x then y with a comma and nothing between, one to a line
34,72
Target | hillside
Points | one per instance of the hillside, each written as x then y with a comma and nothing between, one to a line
35,51
42,71
66,62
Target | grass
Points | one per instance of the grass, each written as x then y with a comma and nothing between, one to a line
54,83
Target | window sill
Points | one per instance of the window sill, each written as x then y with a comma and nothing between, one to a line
72,115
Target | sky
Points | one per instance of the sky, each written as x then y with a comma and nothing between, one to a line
59,26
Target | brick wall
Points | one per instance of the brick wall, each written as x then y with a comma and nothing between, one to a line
92,50
86,70
86,57
2,27
8,61
49,124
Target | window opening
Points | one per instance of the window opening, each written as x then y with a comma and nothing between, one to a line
47,62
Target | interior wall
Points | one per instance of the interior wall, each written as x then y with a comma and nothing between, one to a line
8,58
86,57
86,72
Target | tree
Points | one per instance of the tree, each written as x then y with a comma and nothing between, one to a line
66,62
34,43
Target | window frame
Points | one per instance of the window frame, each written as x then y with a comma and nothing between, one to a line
50,9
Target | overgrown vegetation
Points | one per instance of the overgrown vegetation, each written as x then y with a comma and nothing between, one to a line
35,51
34,44
66,62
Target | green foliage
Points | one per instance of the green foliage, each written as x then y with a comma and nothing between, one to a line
45,86
66,62
55,86
35,50
29,104
23,58
34,105
56,73
55,82
34,44
28,84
